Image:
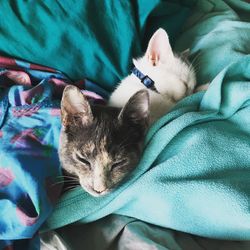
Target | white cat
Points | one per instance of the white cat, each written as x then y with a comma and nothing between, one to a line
173,77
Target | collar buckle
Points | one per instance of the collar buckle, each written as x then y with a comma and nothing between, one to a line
145,79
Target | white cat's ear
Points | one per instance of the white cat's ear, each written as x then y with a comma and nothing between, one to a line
75,108
136,110
159,48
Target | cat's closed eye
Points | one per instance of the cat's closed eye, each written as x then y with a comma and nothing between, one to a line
101,145
83,160
118,164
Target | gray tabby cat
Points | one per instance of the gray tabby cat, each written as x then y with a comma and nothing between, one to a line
100,145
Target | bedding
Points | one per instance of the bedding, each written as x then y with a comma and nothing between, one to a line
30,172
195,168
122,232
96,39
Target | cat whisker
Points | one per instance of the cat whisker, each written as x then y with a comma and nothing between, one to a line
195,57
70,188
67,177
66,181
56,183
195,62
195,67
70,181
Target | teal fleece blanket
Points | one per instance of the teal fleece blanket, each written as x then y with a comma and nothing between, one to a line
194,175
89,38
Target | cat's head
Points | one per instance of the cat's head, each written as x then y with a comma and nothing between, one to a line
101,145
173,74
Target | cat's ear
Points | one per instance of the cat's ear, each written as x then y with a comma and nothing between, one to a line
159,48
136,110
75,109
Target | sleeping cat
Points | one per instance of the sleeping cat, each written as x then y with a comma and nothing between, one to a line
100,145
173,77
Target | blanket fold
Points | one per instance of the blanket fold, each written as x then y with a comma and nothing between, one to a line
194,171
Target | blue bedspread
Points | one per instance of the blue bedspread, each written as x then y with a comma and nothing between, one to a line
29,134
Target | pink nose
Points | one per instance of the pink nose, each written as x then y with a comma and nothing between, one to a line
99,192
99,187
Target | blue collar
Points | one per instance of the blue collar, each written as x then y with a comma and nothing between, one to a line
145,79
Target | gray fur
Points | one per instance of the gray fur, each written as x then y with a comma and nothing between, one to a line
110,139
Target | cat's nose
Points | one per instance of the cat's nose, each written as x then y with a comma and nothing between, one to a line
99,188
99,191
99,184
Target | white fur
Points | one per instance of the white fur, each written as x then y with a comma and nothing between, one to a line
174,79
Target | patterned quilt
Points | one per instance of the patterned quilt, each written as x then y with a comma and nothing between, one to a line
30,172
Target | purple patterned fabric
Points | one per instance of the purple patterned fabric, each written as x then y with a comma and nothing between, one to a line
29,132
